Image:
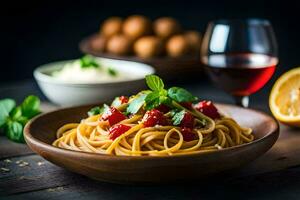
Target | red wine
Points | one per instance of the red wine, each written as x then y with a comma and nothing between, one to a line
240,74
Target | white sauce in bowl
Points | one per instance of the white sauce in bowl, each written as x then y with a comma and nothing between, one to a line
73,72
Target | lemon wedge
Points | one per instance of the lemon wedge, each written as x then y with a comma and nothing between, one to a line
284,100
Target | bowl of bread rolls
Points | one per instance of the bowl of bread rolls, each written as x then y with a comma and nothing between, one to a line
162,43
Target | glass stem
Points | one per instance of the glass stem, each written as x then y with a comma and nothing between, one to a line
242,101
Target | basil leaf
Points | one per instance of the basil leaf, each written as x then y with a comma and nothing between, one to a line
6,106
181,95
16,113
98,110
154,82
166,101
23,120
95,111
112,72
14,131
136,104
177,118
156,98
152,100
30,106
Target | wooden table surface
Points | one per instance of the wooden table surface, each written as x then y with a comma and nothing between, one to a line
275,175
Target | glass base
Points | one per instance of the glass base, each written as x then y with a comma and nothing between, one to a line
242,101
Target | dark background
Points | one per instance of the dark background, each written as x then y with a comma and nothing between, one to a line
38,32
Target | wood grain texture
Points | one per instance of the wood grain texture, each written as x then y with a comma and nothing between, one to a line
11,149
51,182
283,155
38,174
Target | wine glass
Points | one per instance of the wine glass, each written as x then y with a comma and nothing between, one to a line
240,56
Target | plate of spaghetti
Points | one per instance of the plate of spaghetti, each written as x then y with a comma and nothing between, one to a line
158,135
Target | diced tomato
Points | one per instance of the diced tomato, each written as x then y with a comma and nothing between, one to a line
208,109
154,117
123,99
113,116
187,105
117,130
163,108
187,120
187,134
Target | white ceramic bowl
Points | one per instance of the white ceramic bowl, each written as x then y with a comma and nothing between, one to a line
70,94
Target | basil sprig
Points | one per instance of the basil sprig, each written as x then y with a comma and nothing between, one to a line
13,118
159,95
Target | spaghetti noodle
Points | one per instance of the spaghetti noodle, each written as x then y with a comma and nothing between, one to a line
166,129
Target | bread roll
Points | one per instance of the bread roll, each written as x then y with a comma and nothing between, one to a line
177,46
119,44
111,26
166,27
194,40
136,26
148,46
98,43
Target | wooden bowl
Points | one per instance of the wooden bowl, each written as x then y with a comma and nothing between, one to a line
166,67
40,133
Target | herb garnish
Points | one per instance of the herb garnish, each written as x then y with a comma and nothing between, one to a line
159,95
172,98
13,119
137,103
88,61
155,83
177,118
181,95
97,110
112,71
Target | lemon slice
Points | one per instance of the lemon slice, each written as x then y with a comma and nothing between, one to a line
284,99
